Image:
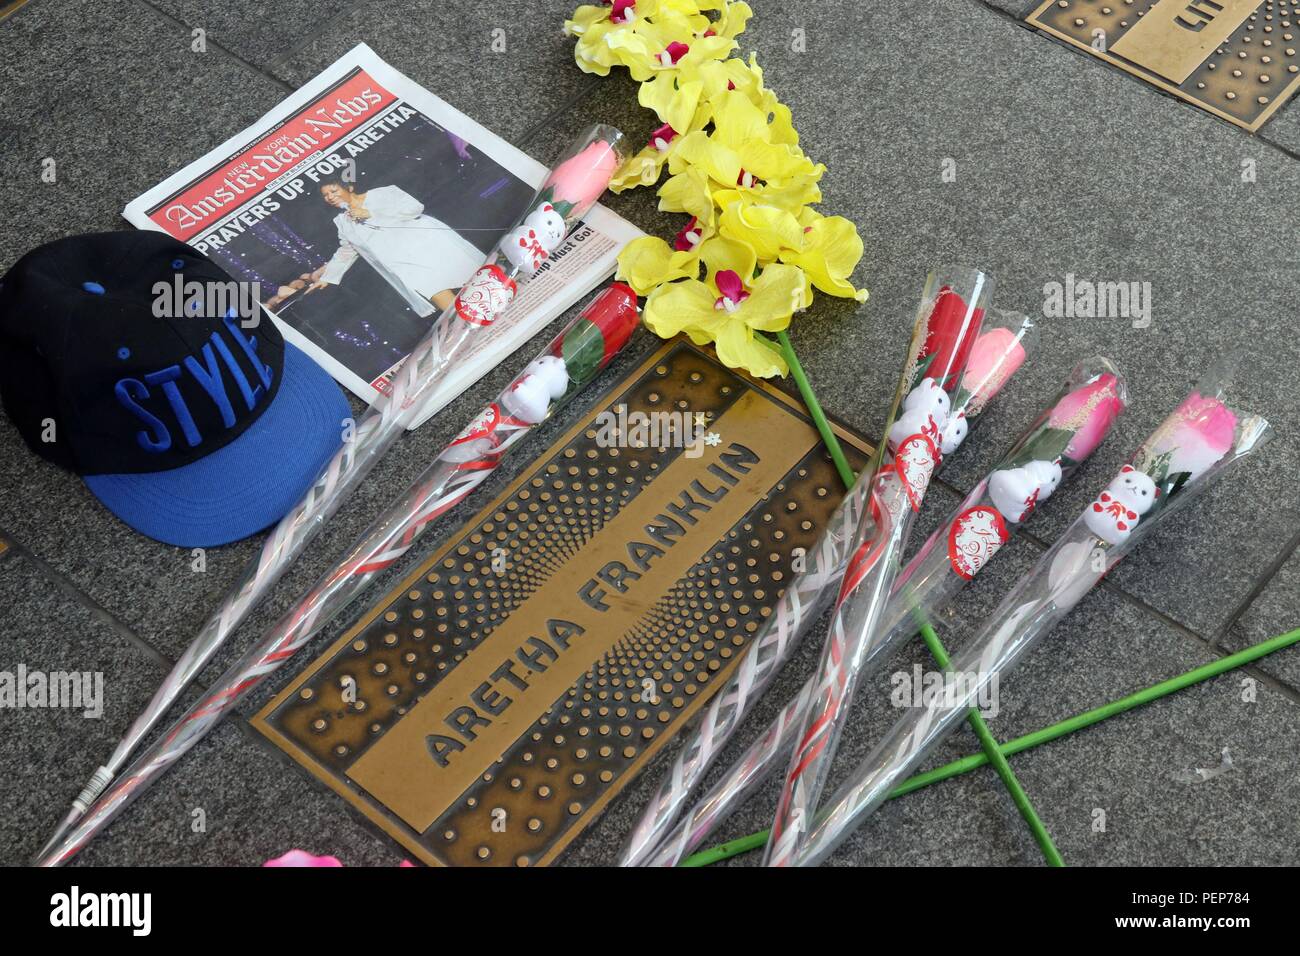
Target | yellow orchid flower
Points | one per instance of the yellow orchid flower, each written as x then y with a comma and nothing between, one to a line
831,251
676,100
645,36
649,262
733,19
734,167
766,228
730,307
688,192
672,41
739,152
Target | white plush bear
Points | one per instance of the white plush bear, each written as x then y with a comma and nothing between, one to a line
928,397
954,433
1117,511
551,370
529,400
548,225
1046,476
925,412
1016,492
524,249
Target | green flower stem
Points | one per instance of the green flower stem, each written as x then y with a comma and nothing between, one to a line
994,754
987,741
815,409
1068,726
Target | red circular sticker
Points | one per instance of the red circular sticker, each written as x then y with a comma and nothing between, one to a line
485,296
476,440
914,461
974,537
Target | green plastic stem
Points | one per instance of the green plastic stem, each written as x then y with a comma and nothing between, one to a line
1038,737
815,410
993,754
987,741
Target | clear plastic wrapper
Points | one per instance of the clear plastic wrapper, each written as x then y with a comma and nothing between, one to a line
999,351
1200,440
1067,431
947,324
572,188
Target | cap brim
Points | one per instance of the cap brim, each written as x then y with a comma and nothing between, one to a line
250,483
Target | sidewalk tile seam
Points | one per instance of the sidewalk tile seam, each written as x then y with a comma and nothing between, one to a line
69,589
1261,584
322,27
213,44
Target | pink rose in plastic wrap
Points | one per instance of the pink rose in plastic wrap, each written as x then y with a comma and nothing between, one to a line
994,358
582,178
1088,411
1197,435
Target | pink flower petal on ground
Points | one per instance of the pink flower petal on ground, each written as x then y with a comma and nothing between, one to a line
300,858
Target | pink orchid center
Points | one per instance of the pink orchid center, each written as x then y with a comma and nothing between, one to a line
622,11
662,136
673,53
746,179
732,289
689,236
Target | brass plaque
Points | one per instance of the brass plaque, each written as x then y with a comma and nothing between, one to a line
488,708
1235,58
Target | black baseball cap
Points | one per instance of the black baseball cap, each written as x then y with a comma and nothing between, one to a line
197,428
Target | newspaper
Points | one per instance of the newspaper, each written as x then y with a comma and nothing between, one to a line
359,206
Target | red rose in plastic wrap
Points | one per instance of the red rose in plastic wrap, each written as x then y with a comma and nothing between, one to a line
949,338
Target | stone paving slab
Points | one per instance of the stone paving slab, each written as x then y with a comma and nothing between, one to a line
1276,611
455,50
255,805
259,32
48,752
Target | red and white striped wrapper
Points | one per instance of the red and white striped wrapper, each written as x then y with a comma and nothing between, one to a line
943,565
947,324
1005,340
582,174
1192,448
